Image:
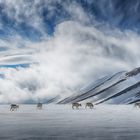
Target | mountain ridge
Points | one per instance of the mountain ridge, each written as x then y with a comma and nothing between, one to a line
112,88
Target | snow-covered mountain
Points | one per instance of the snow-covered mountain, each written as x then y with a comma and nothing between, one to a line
120,88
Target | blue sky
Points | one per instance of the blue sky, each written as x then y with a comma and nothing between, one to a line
123,14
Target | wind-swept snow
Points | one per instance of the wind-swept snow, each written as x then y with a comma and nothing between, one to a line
60,122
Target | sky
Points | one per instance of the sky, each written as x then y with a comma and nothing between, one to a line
51,48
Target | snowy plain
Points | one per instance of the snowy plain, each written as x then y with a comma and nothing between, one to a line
61,122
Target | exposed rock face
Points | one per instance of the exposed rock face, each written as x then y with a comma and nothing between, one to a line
133,72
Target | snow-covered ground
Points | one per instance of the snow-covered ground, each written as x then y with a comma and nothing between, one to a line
60,122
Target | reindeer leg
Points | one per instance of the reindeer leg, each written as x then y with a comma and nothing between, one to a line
72,107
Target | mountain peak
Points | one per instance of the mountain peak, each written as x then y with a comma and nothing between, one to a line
133,72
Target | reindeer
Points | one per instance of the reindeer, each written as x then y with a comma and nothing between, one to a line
90,105
39,106
137,104
76,105
14,107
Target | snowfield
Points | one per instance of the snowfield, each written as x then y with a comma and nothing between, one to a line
60,122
